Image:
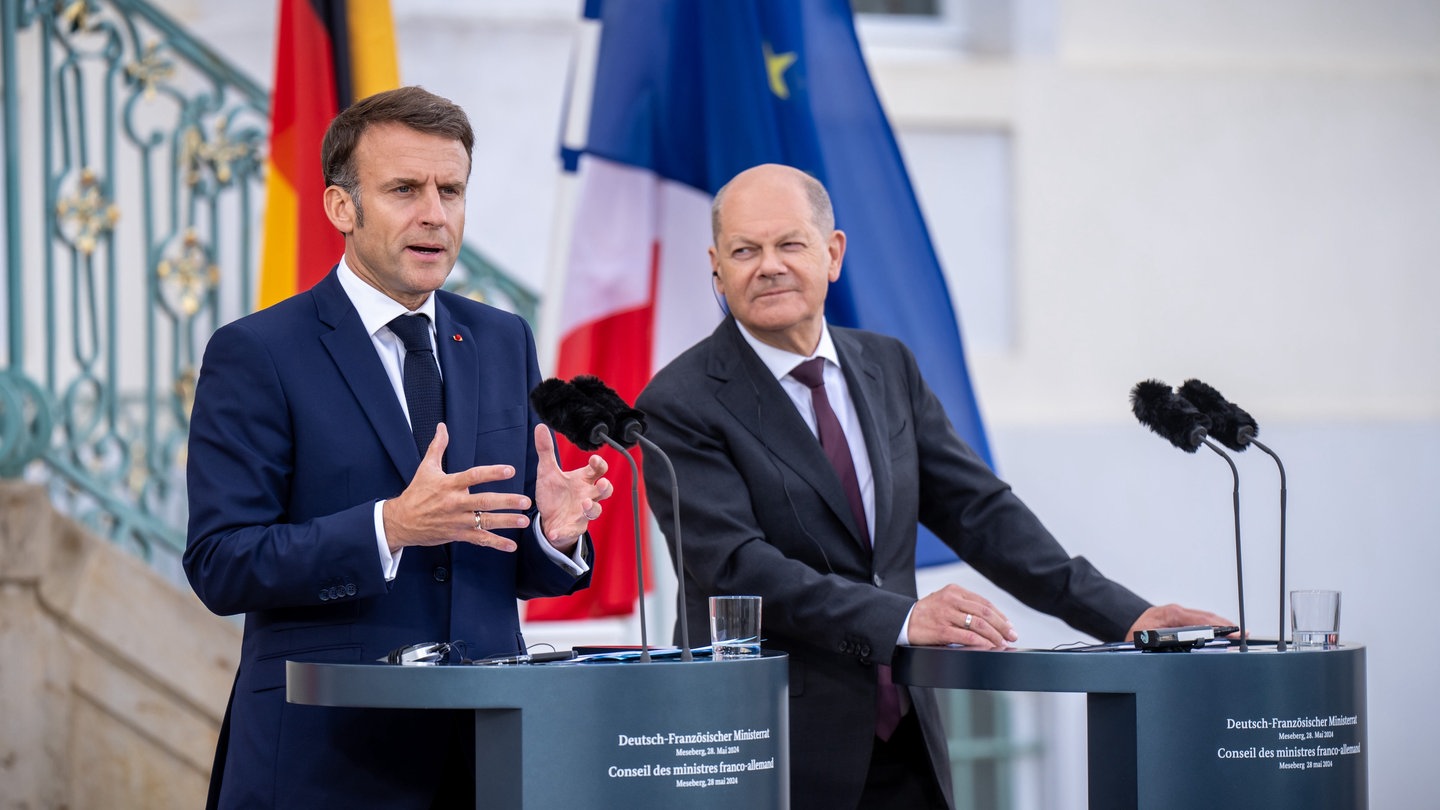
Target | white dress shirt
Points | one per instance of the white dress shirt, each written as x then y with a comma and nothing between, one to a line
781,362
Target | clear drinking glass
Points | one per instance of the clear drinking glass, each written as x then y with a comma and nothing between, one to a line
734,627
1315,619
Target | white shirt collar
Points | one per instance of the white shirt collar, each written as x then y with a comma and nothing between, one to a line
779,361
376,308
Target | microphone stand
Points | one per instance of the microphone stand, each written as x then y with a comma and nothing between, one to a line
1280,643
1239,575
639,550
679,547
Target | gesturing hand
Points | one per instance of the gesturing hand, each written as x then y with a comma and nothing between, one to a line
439,508
567,501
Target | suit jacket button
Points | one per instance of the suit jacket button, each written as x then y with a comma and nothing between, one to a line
324,594
878,580
349,589
441,573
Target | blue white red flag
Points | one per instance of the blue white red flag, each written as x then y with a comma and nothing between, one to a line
669,100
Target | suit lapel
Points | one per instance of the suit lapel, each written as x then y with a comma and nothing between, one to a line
354,354
754,397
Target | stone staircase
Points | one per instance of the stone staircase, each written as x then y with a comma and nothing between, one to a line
113,681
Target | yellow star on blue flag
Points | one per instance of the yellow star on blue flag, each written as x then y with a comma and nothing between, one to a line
775,66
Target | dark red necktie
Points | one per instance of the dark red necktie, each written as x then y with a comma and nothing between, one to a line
811,374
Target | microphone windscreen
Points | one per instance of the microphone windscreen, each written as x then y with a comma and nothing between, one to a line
1169,416
605,396
1229,423
570,413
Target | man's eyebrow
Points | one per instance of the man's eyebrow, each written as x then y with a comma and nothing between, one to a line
411,181
784,237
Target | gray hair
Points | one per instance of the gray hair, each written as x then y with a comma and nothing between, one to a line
822,213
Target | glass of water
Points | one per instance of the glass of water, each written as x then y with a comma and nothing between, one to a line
734,627
1315,619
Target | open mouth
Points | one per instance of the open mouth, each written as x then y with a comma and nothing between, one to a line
427,250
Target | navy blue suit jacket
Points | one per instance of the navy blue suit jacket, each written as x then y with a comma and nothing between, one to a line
296,433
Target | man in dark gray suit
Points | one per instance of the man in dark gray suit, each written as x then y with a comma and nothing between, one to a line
825,530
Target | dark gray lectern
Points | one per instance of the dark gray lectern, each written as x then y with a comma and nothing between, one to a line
1193,731
701,734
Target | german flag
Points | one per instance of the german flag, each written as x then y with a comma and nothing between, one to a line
329,53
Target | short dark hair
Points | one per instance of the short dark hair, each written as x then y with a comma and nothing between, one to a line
414,107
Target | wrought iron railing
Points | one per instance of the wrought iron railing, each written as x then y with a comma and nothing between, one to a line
133,172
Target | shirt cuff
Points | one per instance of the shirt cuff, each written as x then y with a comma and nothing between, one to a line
905,629
389,563
575,563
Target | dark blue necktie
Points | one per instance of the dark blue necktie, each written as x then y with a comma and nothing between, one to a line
423,395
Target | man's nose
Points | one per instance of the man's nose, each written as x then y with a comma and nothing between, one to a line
770,263
432,208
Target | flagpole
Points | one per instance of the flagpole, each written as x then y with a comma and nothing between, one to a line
572,139
552,299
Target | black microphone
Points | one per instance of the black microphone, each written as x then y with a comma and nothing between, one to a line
1182,424
1169,416
1237,430
631,423
588,424
571,414
1229,424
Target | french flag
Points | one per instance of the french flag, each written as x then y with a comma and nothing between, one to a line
669,99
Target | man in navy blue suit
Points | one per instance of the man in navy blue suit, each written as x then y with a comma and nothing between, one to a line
329,506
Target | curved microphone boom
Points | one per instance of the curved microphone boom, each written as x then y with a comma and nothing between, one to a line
588,424
1237,430
679,546
630,422
1178,421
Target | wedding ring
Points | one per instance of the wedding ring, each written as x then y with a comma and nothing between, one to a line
478,527
969,620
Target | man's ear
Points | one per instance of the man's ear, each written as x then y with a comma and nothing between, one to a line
835,248
340,208
715,270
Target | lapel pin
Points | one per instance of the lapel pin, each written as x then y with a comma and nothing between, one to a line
457,338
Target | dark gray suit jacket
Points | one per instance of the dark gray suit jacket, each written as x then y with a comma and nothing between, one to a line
763,512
